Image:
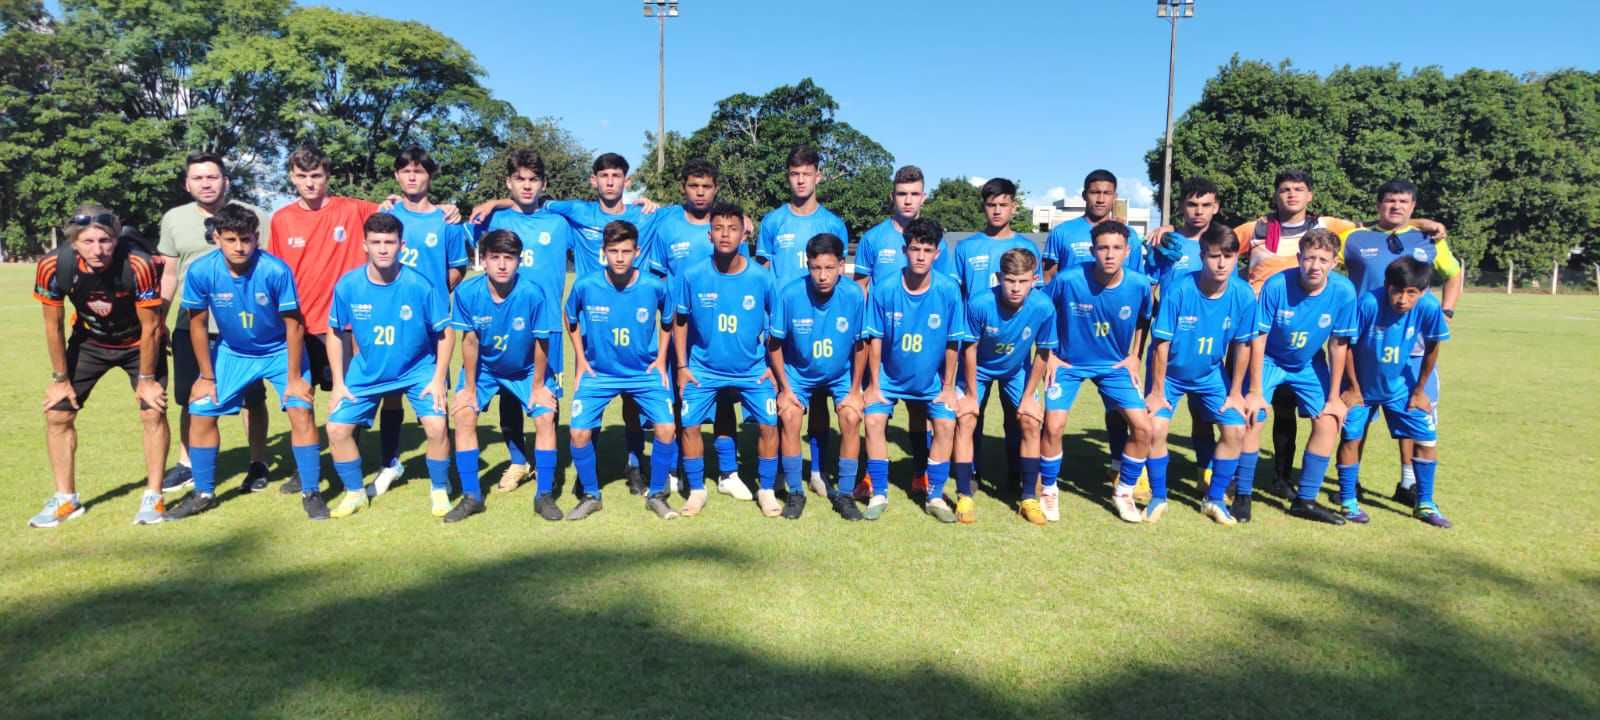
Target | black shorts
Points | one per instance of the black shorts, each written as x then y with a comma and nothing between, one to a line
317,354
185,372
87,362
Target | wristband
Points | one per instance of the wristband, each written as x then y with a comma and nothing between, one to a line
143,377
59,377
1450,314
207,379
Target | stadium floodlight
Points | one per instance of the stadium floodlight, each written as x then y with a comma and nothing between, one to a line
1175,8
661,10
1171,10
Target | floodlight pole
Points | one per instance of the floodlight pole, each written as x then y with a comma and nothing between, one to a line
1171,10
661,10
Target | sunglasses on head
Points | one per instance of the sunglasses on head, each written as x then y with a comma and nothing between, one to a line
106,219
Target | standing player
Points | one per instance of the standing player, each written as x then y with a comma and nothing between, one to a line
817,323
116,296
506,324
1204,317
618,325
1071,243
398,323
914,328
723,310
1014,330
250,296
1100,309
1391,320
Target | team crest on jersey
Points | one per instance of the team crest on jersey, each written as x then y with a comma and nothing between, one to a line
405,312
261,298
1325,320
432,240
1027,332
1227,322
100,307
1410,331
843,324
338,234
518,324
577,406
544,238
934,321
749,302
641,314
1054,393
1126,312
1420,254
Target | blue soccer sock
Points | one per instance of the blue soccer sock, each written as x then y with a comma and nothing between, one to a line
1349,480
878,473
1246,474
544,465
1312,469
663,458
727,460
308,465
634,439
1157,465
439,474
792,465
1116,434
694,472
1030,476
1130,470
818,449
467,470
203,464
349,473
1049,470
938,473
964,478
389,422
847,475
1425,470
511,427
583,461
1205,447
1222,470
767,472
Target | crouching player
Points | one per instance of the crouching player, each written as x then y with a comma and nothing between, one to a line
262,337
1389,321
1302,308
915,324
1100,307
506,324
618,322
398,323
1204,316
817,323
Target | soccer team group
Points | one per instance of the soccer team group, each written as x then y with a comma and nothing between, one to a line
671,311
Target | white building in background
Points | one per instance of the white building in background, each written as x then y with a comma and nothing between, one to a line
1049,216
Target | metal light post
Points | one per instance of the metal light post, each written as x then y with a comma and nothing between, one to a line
1172,10
661,10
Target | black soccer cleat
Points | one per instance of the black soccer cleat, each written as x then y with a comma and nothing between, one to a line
465,508
845,505
1406,496
1310,510
290,486
658,505
1241,508
546,506
314,506
636,483
794,505
589,505
192,504
255,479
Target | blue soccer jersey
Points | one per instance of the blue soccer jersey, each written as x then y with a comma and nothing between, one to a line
620,327
728,317
914,330
248,308
507,328
818,336
783,237
678,243
1071,243
395,328
546,239
1095,324
1179,257
431,246
1199,329
1368,252
881,254
1007,338
1298,325
977,260
1384,339
589,222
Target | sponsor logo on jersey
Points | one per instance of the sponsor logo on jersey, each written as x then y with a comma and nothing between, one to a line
222,299
1188,322
100,307
297,242
785,239
707,299
361,311
991,330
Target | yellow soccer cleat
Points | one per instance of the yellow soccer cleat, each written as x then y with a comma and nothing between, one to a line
1029,509
441,502
349,504
966,510
1141,489
513,476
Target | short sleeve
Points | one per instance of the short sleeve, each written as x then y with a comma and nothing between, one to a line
1046,337
873,319
864,256
1166,318
283,286
664,305
338,310
455,246
438,309
545,318
1147,299
1445,261
778,327
1135,261
570,309
1344,319
1052,245
764,237
168,244
1434,327
196,290
958,316
1245,312
1269,306
680,295
146,288
460,317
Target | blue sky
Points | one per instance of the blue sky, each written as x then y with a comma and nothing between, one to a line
1041,91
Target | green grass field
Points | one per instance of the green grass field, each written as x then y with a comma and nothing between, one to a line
251,611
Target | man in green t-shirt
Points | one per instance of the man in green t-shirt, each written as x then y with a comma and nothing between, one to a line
184,238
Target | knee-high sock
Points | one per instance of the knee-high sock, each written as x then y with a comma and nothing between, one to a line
767,472
1349,480
694,472
1049,470
389,422
938,473
663,458
1312,468
308,465
439,473
1157,466
203,463
727,460
791,465
1246,473
963,478
1223,468
1205,448
878,473
1129,471
1425,469
583,461
847,475
1030,477
634,439
467,470
350,474
544,463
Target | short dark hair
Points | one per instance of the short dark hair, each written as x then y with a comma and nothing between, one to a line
908,174
725,209
1101,175
1197,187
1320,239
501,241
1018,261
802,156
924,230
309,157
1291,175
1397,186
201,158
699,168
1407,272
1109,227
824,244
618,231
611,161
415,154
383,223
998,186
1219,236
525,159
237,218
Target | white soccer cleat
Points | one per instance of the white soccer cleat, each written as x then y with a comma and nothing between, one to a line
731,485
1050,502
386,478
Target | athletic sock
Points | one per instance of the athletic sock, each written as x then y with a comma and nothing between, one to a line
963,478
663,458
349,473
767,472
1425,470
792,465
814,447
1312,469
847,475
1223,469
1116,434
634,439
878,473
1408,475
203,465
727,460
1128,471
1349,479
389,422
583,460
439,474
1049,470
1030,477
467,470
938,473
308,465
1157,466
1205,448
511,427
694,472
1246,473
544,464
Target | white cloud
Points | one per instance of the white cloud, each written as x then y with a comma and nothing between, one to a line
976,181
1058,192
1141,194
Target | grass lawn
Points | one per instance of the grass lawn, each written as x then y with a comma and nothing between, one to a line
251,611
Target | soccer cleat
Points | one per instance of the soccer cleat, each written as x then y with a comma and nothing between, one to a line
693,504
180,477
545,506
58,509
966,509
863,490
730,484
192,504
1141,489
290,486
151,508
1030,511
1127,508
315,508
1050,503
819,485
1310,510
794,505
467,507
768,500
511,478
1241,508
1156,510
1218,513
672,484
1429,513
1285,488
386,478
875,507
441,502
658,505
1353,513
919,484
1406,496
587,506
940,510
636,482
846,507
255,479
349,504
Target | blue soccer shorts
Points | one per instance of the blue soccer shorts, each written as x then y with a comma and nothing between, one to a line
237,374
